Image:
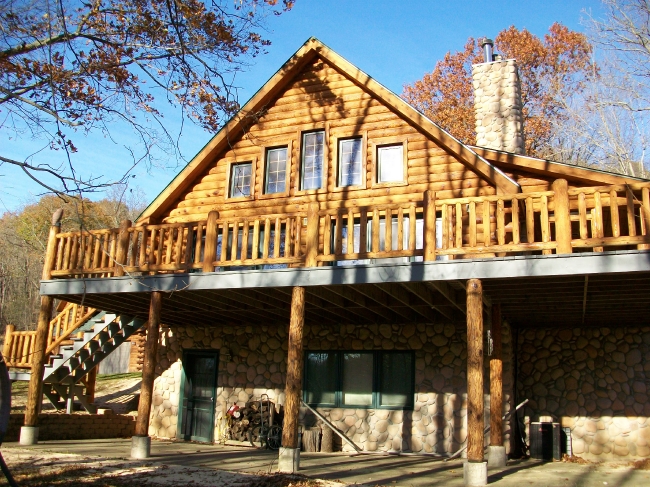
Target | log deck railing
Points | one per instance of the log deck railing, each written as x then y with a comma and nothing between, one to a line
18,346
557,221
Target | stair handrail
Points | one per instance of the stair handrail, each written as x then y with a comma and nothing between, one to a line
19,345
80,315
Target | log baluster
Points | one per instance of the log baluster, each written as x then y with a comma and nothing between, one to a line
429,206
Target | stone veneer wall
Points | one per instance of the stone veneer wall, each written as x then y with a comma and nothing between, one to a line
594,381
58,426
498,107
258,365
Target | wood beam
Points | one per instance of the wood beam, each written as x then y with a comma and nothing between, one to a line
328,296
402,294
383,299
475,419
357,297
496,379
324,313
293,387
584,299
448,292
149,367
428,296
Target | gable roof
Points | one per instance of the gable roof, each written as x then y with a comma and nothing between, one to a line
310,50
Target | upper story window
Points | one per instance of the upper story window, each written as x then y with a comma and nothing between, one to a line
313,150
390,163
350,162
276,171
240,179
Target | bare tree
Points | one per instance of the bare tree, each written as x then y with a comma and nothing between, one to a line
69,67
609,123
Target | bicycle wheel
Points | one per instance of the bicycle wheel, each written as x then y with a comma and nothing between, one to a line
274,437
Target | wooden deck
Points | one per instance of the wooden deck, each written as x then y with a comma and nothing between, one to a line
594,219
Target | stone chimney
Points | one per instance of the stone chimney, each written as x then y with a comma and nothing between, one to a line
497,103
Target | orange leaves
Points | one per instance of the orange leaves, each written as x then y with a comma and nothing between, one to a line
551,69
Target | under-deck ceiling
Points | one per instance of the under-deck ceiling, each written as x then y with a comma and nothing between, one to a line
620,299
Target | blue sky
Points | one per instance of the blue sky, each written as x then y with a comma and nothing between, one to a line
394,42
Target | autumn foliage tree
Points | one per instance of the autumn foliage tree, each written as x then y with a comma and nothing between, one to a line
23,239
70,67
551,69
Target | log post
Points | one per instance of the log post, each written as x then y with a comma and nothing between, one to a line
496,450
475,470
29,432
289,458
141,441
122,248
6,348
210,249
562,216
429,205
313,224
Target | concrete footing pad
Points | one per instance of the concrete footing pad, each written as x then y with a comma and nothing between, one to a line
475,473
140,447
28,435
496,456
289,460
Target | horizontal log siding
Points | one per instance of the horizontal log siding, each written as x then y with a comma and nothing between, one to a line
320,94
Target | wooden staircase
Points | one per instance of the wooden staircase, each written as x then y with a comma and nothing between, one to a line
78,340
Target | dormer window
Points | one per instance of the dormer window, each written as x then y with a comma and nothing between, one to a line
390,163
350,162
276,170
313,157
240,179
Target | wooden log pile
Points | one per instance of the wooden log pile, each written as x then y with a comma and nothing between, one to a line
246,422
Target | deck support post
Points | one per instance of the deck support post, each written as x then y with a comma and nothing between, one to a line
496,450
562,216
313,224
429,205
289,457
475,469
210,250
29,432
122,248
141,442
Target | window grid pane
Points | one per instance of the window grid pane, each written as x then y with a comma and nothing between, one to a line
391,164
396,377
350,166
357,379
320,374
240,179
312,160
276,170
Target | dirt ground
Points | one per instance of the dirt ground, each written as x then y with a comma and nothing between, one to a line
40,469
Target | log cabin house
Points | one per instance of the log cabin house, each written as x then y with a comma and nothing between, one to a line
332,245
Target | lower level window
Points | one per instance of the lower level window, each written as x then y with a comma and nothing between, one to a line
359,379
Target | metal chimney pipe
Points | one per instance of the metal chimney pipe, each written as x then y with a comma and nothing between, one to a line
488,49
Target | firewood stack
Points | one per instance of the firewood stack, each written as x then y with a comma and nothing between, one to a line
249,420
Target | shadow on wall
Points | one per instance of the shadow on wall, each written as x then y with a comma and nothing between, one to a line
593,381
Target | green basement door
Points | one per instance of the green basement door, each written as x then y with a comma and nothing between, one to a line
199,392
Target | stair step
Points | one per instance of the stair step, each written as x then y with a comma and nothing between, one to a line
101,336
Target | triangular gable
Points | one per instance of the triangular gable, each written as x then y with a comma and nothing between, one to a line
310,50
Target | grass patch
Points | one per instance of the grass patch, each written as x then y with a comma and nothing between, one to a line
127,375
